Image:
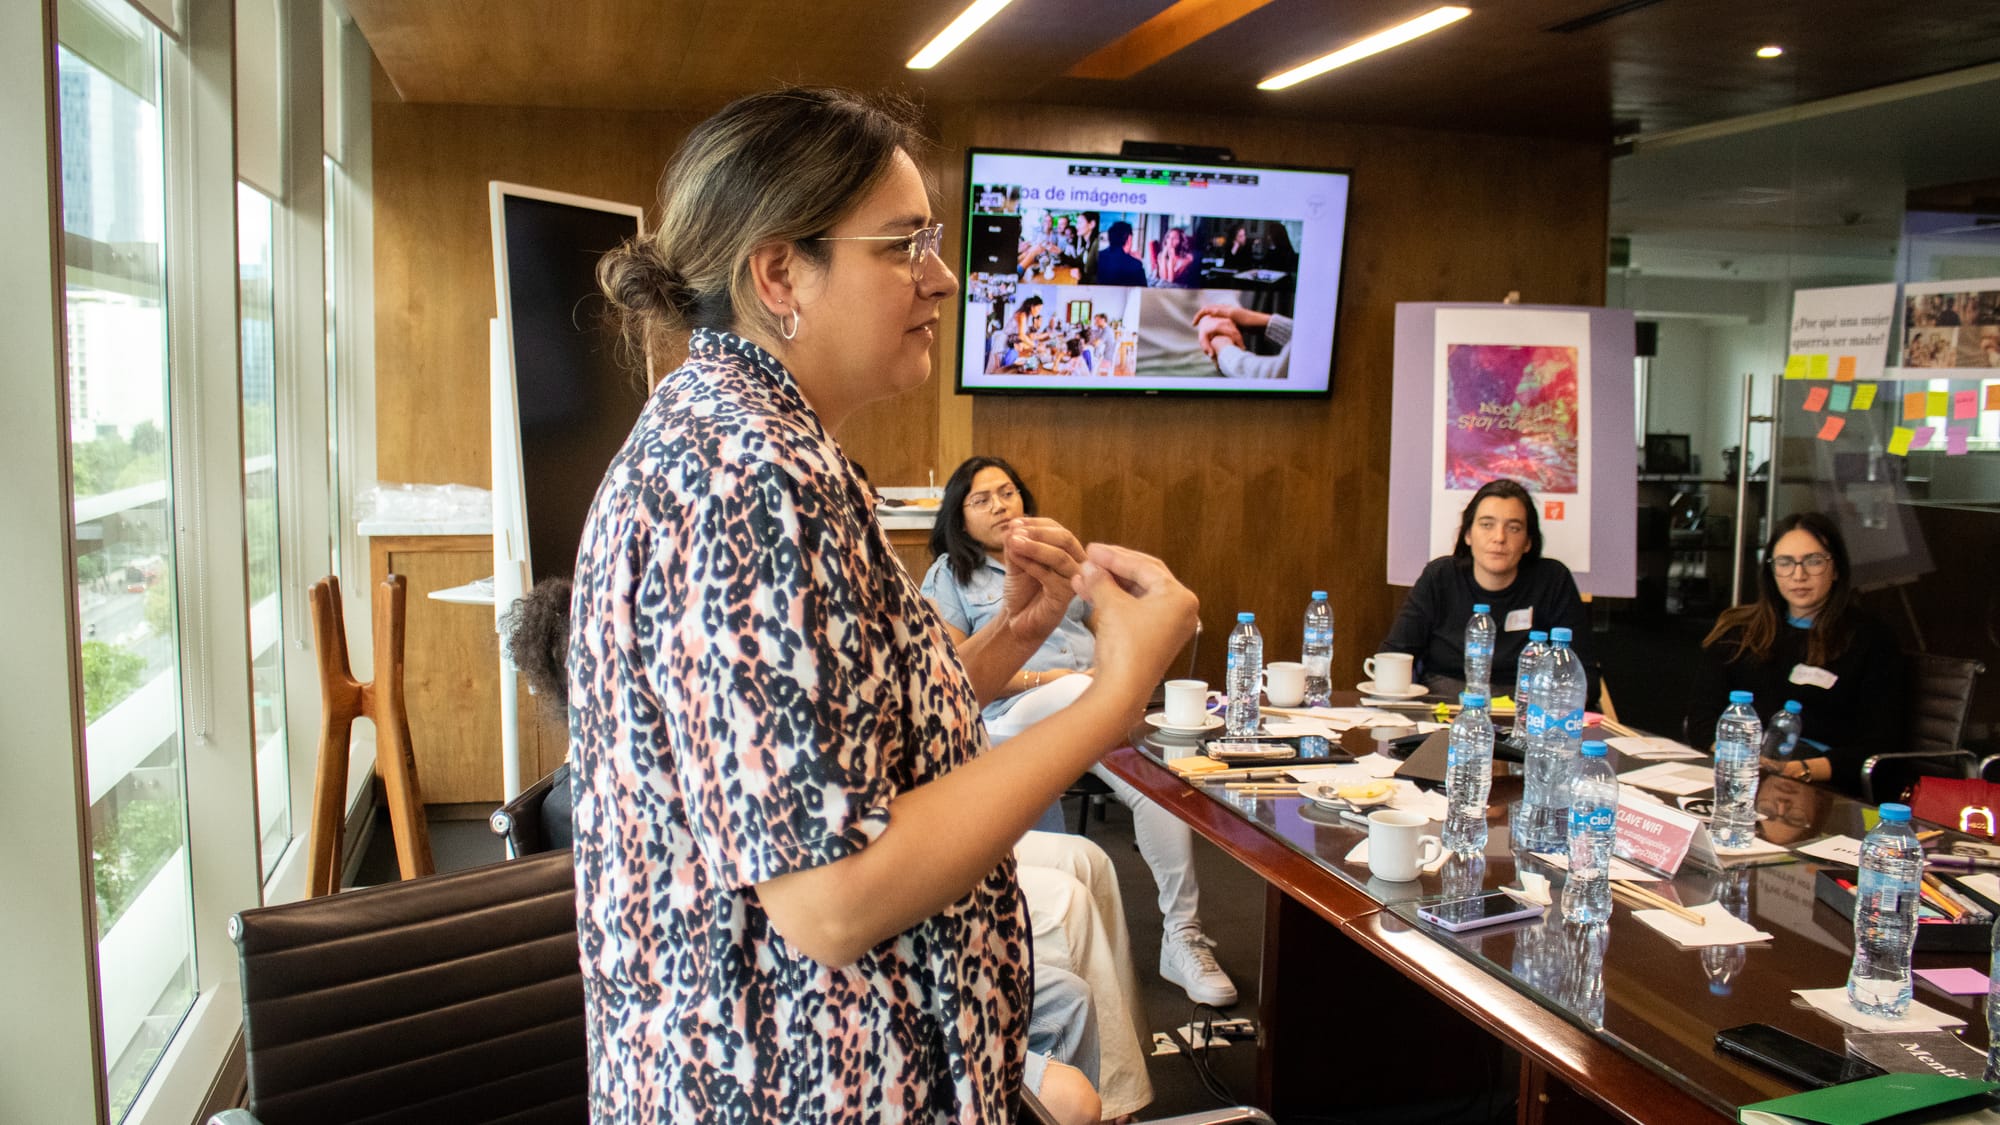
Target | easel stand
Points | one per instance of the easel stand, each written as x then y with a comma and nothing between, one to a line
344,699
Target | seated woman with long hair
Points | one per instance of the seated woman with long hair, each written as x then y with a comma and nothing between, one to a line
1804,638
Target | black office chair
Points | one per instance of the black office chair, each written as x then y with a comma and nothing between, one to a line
538,819
1940,699
452,997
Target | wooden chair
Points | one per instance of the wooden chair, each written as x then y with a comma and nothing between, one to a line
344,699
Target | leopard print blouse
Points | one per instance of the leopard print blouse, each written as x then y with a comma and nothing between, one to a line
754,678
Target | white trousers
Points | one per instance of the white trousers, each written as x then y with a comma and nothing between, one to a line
1164,840
1079,927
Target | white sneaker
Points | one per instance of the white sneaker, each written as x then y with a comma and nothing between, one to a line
1187,960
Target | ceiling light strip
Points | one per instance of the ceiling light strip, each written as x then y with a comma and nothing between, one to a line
958,31
1362,48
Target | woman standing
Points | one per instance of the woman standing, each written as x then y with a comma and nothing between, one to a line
1805,639
793,894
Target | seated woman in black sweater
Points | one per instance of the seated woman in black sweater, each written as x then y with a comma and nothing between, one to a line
1498,561
1805,639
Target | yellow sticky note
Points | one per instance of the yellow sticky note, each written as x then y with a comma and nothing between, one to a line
1815,367
1864,396
1940,404
1795,367
1844,370
1899,440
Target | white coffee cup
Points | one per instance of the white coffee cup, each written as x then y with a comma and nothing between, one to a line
1397,846
1285,683
1187,703
1390,671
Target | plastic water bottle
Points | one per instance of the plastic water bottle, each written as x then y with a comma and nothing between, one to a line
1479,633
1593,826
1527,717
1738,735
1246,672
1468,778
1781,737
1318,656
1551,757
1885,915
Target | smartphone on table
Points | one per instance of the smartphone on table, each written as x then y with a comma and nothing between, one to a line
1474,911
1806,1063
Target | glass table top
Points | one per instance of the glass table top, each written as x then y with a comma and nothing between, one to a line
1624,982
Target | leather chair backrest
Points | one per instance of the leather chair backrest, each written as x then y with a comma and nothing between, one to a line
454,997
1940,698
538,820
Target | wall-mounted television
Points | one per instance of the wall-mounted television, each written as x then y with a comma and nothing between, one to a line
1122,275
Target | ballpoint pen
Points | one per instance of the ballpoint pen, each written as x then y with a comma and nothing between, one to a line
1975,862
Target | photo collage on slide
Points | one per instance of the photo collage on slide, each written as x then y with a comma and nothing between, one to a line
1101,294
1951,329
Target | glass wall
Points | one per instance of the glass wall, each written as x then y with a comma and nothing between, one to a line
113,190
1716,232
257,300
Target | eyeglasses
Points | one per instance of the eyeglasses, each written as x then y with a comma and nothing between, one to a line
1815,564
921,244
1001,497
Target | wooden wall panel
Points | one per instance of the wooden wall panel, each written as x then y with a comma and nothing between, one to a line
1255,504
434,275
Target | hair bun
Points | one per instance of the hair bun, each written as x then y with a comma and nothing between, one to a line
649,298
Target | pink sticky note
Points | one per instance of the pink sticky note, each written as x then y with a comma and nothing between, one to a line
1815,398
1922,439
1954,440
1965,404
1831,429
1958,982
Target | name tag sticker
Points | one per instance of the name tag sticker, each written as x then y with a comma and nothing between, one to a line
1520,619
1813,677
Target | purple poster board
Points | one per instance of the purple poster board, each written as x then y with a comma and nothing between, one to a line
1610,466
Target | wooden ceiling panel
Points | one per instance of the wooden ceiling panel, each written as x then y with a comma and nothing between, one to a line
1667,65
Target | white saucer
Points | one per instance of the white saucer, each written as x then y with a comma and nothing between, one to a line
1160,720
1367,687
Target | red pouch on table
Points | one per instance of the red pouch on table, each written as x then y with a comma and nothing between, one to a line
1968,804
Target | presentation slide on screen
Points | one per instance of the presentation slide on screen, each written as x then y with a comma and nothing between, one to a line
1098,273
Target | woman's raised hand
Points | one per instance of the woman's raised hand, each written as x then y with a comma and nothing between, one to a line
1042,559
1141,613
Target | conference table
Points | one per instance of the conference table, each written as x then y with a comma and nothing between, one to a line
1362,1007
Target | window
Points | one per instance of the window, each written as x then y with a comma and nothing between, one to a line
257,283
112,124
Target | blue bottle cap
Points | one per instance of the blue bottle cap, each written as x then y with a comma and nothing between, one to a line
1481,607
1594,749
1792,705
1319,595
1539,635
1560,635
1245,618
1741,697
1471,699
1895,812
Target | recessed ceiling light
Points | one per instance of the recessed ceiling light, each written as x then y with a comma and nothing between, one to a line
956,32
1362,48
1771,52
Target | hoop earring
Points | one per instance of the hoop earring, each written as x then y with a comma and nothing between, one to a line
796,317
